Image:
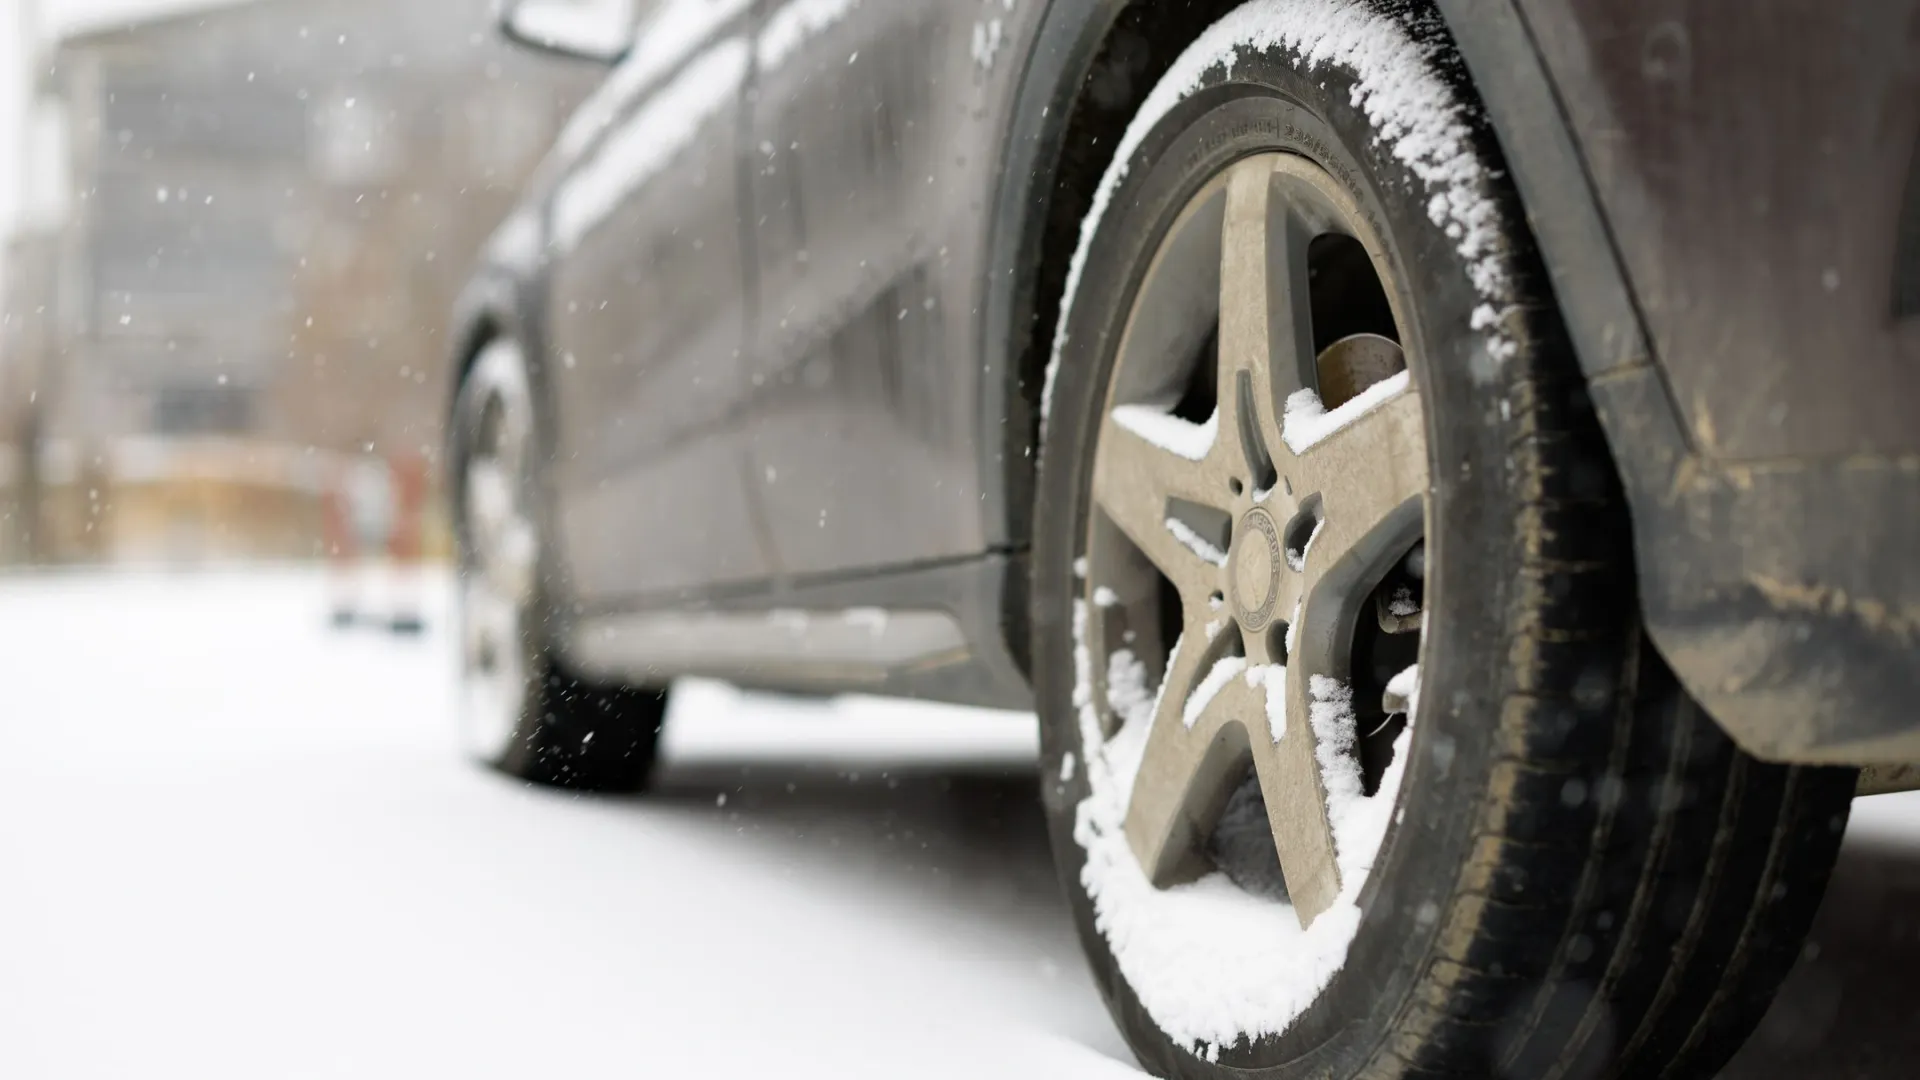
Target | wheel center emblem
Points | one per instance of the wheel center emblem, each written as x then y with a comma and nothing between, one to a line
1255,569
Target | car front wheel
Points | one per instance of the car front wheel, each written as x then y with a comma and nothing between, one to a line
1357,763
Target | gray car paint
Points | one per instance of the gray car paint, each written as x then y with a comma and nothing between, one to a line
771,441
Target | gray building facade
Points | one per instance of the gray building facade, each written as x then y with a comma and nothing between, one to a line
271,208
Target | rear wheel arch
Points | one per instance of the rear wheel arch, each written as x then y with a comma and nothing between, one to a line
483,312
493,309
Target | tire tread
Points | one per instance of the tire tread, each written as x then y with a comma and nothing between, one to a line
1609,988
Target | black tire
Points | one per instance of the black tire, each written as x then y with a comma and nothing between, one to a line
1588,879
568,731
585,736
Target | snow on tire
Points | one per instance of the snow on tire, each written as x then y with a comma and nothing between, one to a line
1325,528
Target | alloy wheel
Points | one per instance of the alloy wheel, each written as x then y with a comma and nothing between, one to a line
1255,489
499,548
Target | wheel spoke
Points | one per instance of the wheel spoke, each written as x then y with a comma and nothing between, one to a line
1362,483
1290,782
489,498
1369,472
1134,483
511,562
505,546
1312,520
1188,770
1266,334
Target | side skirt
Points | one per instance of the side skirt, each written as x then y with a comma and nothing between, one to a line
926,632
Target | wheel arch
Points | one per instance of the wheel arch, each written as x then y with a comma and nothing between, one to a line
1772,626
1087,70
1091,64
485,310
497,304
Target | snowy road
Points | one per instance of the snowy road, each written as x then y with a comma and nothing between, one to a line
236,844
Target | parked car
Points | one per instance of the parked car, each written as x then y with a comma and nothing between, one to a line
1443,473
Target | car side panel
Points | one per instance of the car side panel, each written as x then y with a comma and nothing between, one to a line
875,136
646,316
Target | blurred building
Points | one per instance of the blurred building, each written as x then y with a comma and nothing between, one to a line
271,208
27,348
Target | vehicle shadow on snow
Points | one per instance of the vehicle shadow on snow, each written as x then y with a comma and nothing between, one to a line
1848,1010
974,838
979,824
964,842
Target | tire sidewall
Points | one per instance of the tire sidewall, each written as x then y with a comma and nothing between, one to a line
1264,104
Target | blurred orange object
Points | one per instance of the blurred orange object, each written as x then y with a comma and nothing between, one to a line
373,515
337,535
408,492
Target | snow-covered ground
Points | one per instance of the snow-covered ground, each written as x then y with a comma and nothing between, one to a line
235,843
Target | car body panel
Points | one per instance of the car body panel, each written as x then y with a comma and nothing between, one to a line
646,316
1736,296
1754,171
694,444
1740,299
867,150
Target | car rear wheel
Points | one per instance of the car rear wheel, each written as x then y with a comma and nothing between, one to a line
1357,763
522,711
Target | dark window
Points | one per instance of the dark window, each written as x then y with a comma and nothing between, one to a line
201,410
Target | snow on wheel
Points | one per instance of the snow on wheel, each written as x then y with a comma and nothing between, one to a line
1355,761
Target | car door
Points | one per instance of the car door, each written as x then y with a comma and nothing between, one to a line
646,316
869,162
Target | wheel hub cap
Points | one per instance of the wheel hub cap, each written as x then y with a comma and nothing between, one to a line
1310,508
1256,563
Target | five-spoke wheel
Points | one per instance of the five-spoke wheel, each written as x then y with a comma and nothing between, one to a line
1272,520
1355,760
